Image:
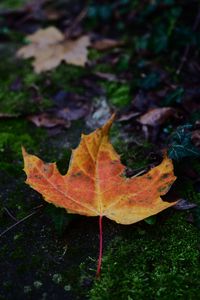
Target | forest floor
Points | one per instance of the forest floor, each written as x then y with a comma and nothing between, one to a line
148,73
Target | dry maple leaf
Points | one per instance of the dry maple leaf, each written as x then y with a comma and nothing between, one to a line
95,184
50,48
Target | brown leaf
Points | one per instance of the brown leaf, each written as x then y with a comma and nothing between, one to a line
72,114
47,120
128,116
58,117
49,48
105,44
156,116
184,204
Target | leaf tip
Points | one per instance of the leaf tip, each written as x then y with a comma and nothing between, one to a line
24,153
108,124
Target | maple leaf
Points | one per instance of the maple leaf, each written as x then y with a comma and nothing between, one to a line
95,184
50,48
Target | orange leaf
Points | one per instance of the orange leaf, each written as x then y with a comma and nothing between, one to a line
95,184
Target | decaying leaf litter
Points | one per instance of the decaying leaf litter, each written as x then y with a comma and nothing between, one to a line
151,104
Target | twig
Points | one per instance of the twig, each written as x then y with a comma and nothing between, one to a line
187,48
8,116
10,215
20,221
139,173
65,250
77,20
31,8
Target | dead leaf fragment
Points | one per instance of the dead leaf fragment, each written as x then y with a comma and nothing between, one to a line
45,37
128,116
49,48
107,76
184,204
105,44
156,116
95,184
58,117
48,121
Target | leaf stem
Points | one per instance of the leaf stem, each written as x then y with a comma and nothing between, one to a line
100,247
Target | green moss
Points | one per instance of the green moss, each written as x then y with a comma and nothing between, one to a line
14,134
12,4
159,262
66,77
102,65
94,54
9,140
135,156
187,191
118,94
23,91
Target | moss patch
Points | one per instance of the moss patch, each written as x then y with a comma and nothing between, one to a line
13,4
158,262
118,94
14,134
23,91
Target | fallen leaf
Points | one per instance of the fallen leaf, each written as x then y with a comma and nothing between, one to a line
72,114
128,116
184,204
48,121
95,184
52,14
49,48
107,76
156,116
58,117
105,44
